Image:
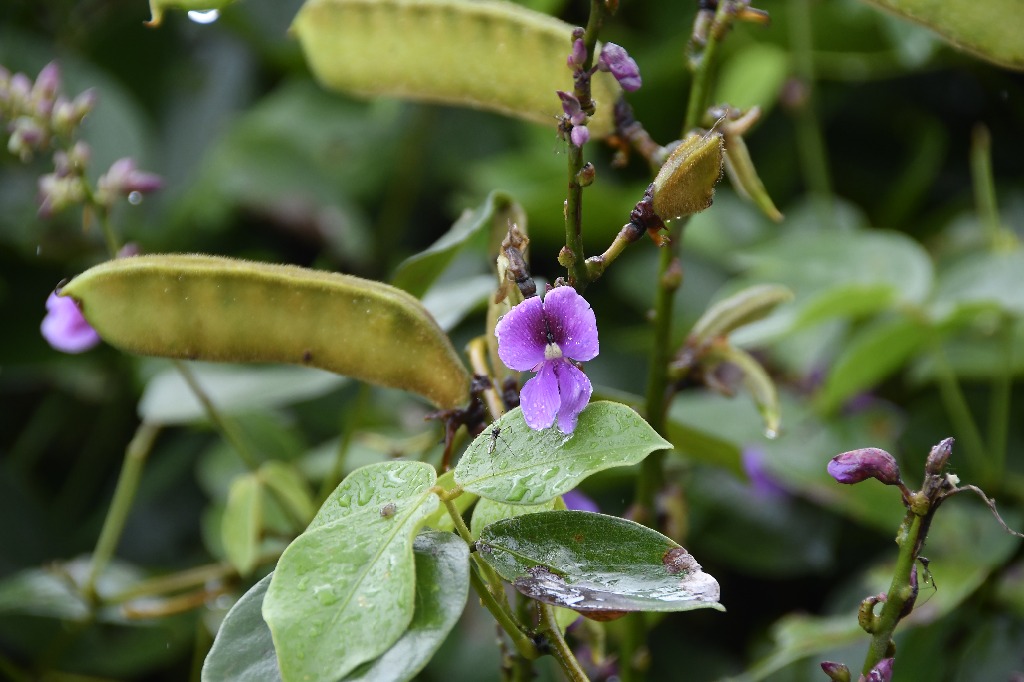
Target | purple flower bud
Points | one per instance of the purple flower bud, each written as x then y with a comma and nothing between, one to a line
837,672
571,108
47,83
26,137
858,465
129,249
615,59
84,103
938,457
882,672
20,92
575,499
579,135
578,55
65,328
764,484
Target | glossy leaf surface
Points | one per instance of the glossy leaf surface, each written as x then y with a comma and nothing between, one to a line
596,564
343,591
523,466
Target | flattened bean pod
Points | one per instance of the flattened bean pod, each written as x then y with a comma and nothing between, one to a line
220,309
484,54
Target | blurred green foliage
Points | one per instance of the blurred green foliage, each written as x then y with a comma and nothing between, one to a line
906,326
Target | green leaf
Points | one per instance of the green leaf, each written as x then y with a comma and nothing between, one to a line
487,512
596,564
418,272
343,591
243,522
435,51
168,399
289,487
244,648
442,584
980,281
523,466
988,29
222,309
451,302
753,76
873,353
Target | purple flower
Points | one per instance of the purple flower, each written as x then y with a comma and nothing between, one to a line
123,178
545,337
882,672
859,465
578,55
571,106
65,328
579,135
577,500
763,483
614,58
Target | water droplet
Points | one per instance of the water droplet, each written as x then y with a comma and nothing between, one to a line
135,198
204,16
771,434
39,249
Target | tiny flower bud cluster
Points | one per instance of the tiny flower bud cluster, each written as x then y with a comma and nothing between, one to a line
613,59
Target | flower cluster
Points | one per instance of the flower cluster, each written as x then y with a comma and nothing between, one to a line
546,337
613,59
65,328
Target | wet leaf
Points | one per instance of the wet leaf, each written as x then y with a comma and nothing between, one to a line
980,281
288,486
343,591
523,466
487,512
596,564
441,519
244,648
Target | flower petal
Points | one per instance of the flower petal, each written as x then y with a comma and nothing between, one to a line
539,397
574,391
521,335
572,322
65,328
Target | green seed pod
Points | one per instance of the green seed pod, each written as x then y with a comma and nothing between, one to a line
686,182
485,54
742,308
745,179
211,308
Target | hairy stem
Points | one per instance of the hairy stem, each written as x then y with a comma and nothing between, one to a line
563,654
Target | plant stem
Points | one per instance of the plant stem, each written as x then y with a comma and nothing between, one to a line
700,87
960,414
524,645
562,652
1002,396
478,362
810,144
227,429
124,493
900,591
984,185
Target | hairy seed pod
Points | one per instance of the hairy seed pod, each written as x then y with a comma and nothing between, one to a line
485,54
220,309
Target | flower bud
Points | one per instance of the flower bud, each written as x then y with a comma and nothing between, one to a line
615,59
586,176
579,135
19,93
858,465
45,90
26,137
882,672
837,672
938,457
123,178
571,108
84,103
578,55
57,193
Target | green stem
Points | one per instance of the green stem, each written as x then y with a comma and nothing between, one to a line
225,427
124,493
810,143
900,592
700,87
1002,396
175,582
562,652
984,184
960,414
524,645
353,416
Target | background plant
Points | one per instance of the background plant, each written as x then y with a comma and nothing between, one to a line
897,284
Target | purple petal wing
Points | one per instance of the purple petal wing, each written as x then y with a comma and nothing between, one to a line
539,398
574,390
521,335
572,323
65,328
